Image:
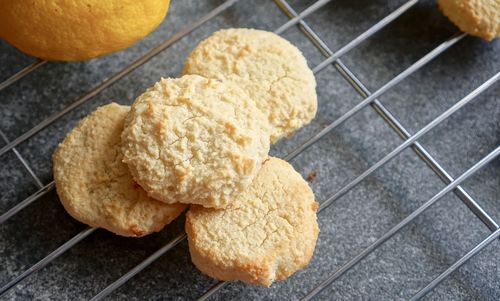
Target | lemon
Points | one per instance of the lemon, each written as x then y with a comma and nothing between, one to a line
70,30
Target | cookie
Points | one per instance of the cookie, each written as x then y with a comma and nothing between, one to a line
195,140
477,17
270,235
95,186
270,69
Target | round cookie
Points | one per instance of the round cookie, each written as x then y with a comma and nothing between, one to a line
268,235
477,17
95,186
195,140
270,69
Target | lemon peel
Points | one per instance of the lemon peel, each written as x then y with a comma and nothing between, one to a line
70,30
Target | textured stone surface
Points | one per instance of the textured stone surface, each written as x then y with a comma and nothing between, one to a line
396,270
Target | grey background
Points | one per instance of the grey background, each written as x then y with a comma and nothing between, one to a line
396,271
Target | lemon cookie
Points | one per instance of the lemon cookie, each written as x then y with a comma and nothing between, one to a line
95,186
195,140
271,70
476,17
270,234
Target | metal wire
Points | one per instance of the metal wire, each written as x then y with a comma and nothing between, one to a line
378,26
20,206
332,58
488,158
23,162
392,121
368,100
211,291
471,96
22,73
302,15
138,268
488,240
47,259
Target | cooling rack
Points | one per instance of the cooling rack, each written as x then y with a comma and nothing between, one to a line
409,141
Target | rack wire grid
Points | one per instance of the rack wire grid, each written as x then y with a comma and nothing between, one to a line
396,217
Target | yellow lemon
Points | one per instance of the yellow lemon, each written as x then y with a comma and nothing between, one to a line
70,30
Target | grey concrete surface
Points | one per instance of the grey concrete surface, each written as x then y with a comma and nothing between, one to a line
395,271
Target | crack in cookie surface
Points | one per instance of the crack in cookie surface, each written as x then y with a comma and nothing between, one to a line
269,235
195,140
94,184
269,68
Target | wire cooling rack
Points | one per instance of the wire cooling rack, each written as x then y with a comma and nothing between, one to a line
409,141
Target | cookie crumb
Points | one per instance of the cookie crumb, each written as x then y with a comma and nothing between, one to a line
312,176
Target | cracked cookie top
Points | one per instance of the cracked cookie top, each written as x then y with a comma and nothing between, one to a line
269,68
195,140
95,186
267,235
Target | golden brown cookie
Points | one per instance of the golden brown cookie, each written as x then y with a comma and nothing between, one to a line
269,235
270,69
195,140
477,17
95,186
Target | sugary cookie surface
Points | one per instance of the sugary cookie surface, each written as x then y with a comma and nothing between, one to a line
195,140
269,68
95,186
268,237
